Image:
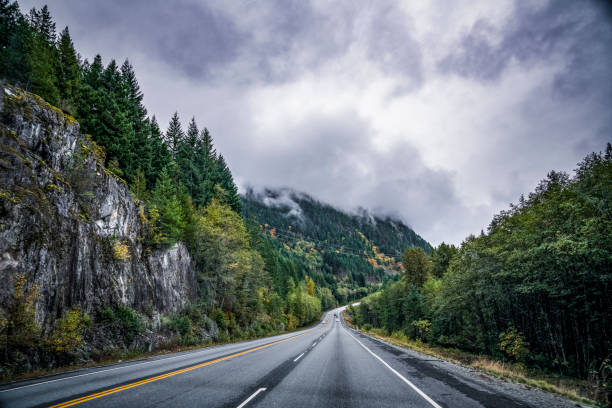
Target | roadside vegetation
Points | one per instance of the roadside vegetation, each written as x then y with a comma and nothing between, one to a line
530,297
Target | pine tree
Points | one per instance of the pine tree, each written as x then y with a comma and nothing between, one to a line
165,199
205,160
226,182
136,114
174,134
16,44
160,154
189,175
44,56
68,73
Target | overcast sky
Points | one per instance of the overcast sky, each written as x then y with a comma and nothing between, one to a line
439,112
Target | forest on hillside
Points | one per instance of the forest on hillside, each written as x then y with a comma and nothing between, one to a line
534,290
353,253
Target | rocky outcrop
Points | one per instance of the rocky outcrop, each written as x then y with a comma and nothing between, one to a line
71,226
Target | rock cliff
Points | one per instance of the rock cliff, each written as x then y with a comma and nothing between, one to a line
71,226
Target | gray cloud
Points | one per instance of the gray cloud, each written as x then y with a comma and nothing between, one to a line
437,114
578,31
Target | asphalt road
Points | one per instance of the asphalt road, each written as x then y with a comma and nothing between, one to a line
329,365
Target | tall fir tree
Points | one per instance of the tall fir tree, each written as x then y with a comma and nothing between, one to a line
44,56
225,180
174,134
190,174
68,72
15,40
136,114
160,154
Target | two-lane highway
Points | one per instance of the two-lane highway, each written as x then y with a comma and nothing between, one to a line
328,365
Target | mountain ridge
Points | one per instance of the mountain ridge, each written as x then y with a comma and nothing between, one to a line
291,215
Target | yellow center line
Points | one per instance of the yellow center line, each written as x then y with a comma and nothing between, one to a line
161,377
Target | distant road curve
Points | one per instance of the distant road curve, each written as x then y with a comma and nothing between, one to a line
329,365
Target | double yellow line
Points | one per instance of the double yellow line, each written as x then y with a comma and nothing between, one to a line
161,377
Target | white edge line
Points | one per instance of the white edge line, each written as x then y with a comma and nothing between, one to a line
207,349
251,397
414,387
298,357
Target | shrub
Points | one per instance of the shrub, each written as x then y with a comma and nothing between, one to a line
513,345
399,335
121,251
68,333
367,327
19,328
421,328
130,322
219,317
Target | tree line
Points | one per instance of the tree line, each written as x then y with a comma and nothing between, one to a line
534,289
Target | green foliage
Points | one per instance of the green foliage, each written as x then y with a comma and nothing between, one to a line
249,284
441,257
67,336
123,320
421,328
513,345
18,326
170,218
535,287
417,266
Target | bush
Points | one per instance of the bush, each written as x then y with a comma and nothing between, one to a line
130,322
124,320
367,327
219,317
67,336
421,328
399,335
121,251
513,345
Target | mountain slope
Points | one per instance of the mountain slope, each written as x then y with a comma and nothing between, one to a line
362,245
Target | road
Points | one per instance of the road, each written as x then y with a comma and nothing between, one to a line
329,365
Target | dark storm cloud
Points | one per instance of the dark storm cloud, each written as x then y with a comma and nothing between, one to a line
577,30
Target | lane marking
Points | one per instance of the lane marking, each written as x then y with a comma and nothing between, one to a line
251,397
170,374
298,357
113,369
314,344
414,387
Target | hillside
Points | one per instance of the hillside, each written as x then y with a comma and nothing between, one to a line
361,246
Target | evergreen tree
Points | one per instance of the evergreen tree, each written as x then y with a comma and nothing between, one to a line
205,159
15,37
174,134
165,198
226,182
160,154
44,56
189,175
136,114
69,72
